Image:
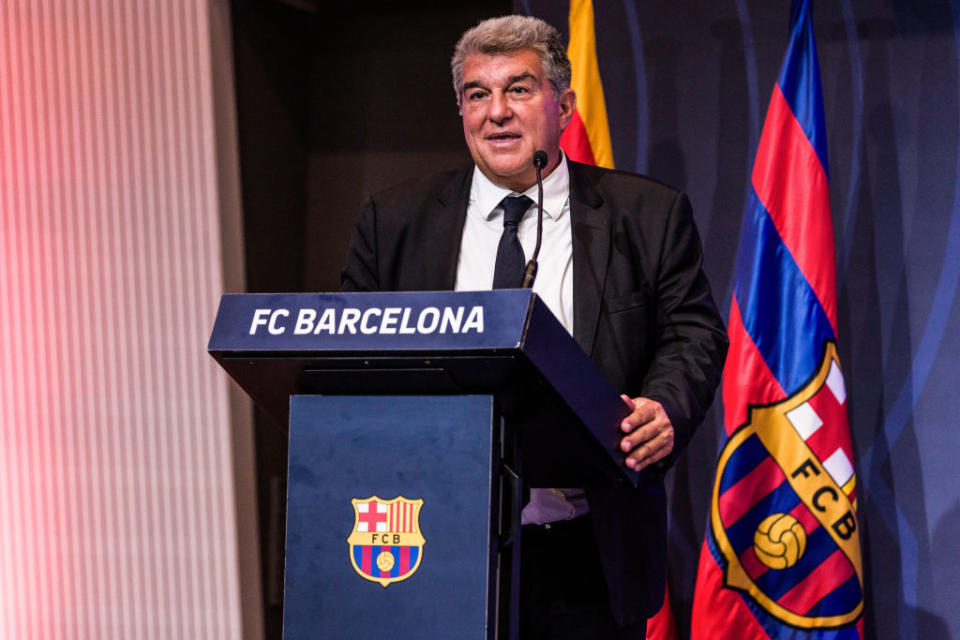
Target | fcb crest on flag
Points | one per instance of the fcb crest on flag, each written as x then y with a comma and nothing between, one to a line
783,514
386,544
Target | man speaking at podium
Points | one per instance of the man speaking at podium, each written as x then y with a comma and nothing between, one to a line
620,268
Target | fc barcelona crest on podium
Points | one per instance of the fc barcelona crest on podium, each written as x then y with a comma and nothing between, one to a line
386,544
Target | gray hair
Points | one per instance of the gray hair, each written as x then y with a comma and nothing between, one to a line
509,34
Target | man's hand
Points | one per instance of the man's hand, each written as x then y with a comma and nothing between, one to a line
649,433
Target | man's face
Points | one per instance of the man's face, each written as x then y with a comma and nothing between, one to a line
509,112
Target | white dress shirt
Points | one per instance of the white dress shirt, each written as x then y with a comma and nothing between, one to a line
484,226
554,283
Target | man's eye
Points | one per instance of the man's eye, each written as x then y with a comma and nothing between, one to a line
476,95
519,90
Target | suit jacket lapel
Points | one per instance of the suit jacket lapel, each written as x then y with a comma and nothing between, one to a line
446,217
591,250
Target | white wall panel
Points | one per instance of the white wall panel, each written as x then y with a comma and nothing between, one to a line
117,506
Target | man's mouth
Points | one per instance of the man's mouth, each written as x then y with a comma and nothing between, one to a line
503,138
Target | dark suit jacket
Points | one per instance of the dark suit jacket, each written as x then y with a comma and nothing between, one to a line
642,311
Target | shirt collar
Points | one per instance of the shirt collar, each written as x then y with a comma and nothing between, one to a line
486,196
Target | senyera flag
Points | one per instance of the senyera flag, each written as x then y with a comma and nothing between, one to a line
781,556
587,140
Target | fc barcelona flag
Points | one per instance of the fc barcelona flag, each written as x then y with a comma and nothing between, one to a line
781,556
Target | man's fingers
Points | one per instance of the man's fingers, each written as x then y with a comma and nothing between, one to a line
651,451
640,448
640,435
649,432
643,412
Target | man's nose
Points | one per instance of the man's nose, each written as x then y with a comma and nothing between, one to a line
499,108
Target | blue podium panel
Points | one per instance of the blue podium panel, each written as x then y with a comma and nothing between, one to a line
388,517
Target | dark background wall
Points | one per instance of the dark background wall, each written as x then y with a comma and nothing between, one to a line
334,103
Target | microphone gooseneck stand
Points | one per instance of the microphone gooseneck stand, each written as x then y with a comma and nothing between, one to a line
539,161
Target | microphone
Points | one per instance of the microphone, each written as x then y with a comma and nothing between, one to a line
539,161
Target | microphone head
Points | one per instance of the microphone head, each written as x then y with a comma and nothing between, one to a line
540,159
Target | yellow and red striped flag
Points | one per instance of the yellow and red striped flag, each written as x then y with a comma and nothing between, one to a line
587,137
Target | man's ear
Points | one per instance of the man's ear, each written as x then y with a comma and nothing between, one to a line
568,102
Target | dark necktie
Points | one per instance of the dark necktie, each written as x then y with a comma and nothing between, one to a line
508,272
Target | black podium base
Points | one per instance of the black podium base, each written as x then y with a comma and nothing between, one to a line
388,518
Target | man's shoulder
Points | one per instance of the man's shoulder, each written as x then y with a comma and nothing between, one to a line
618,181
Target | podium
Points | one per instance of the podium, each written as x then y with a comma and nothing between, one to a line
416,421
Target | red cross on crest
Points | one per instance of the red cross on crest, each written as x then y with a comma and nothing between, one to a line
371,516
